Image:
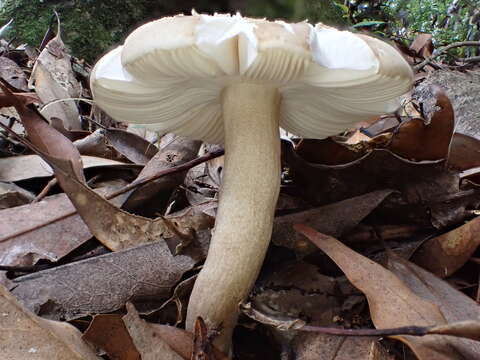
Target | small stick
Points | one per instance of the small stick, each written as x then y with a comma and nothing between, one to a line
443,50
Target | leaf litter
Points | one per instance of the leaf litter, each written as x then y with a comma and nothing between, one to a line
405,181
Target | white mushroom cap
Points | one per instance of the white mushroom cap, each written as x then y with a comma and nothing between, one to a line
170,73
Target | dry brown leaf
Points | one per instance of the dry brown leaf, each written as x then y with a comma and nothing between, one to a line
149,344
114,228
469,329
326,151
108,332
335,219
454,305
54,79
26,336
423,45
13,74
26,232
464,152
104,283
421,185
177,152
17,168
133,147
445,254
392,303
308,346
72,135
416,141
298,291
12,195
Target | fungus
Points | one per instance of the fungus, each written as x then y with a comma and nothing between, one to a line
235,80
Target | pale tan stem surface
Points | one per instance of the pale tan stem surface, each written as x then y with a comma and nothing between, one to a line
250,187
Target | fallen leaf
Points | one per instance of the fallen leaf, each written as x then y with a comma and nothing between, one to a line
391,302
26,232
335,219
26,336
149,344
468,329
12,195
25,242
104,283
445,254
423,45
417,141
54,80
177,152
23,167
179,299
307,346
421,185
95,144
133,147
298,291
108,332
326,151
72,135
454,305
13,74
464,152
114,228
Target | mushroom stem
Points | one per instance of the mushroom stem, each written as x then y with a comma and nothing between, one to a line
250,187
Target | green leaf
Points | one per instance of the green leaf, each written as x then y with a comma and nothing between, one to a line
368,23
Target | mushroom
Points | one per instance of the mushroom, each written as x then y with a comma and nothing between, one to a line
235,80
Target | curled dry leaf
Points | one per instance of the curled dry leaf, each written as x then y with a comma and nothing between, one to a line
417,141
104,283
26,336
326,152
445,254
108,332
392,303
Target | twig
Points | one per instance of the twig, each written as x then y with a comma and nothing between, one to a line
443,50
45,190
464,329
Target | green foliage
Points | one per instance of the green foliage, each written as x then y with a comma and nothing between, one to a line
447,20
89,27
326,11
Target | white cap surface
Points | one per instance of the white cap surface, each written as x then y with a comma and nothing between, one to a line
170,73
